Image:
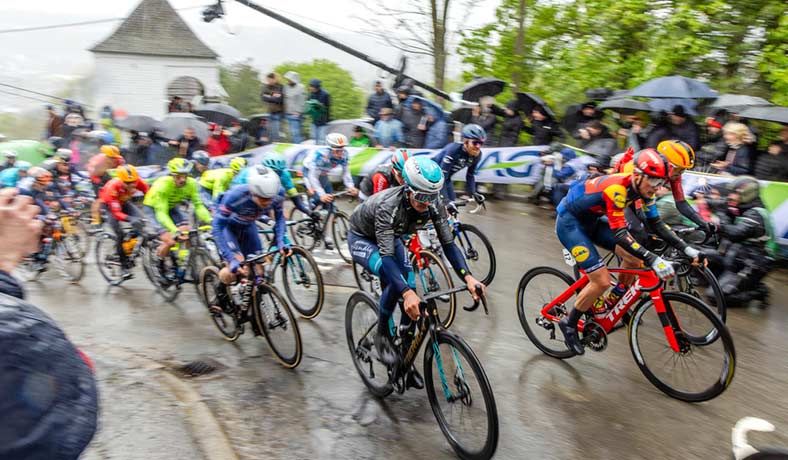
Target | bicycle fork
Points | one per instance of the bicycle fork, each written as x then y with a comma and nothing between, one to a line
459,377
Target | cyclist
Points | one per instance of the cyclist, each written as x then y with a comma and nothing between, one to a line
161,206
214,182
580,225
376,228
10,160
276,162
384,176
115,197
201,161
234,228
10,177
317,166
98,166
458,155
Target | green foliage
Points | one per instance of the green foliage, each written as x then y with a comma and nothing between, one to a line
347,99
242,83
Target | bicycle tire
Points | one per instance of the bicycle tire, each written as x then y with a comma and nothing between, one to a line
107,260
768,453
719,299
720,384
306,311
148,257
432,350
366,355
199,259
466,228
563,352
209,280
302,233
68,256
264,323
340,240
446,313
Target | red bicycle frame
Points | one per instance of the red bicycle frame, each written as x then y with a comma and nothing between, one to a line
646,282
414,246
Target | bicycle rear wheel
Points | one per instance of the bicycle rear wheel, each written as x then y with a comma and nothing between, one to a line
304,233
198,260
478,252
277,324
432,276
69,261
107,259
700,282
537,288
340,227
303,283
702,369
461,396
225,321
361,326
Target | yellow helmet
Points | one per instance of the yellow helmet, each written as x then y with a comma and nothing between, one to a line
127,173
237,164
110,151
678,153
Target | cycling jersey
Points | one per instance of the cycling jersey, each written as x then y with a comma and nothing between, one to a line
452,159
318,164
378,180
114,194
164,196
42,196
9,177
217,181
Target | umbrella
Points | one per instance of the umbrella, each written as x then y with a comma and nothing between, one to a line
771,113
674,87
481,87
462,115
668,104
627,106
599,94
527,101
253,123
430,107
140,123
31,151
174,123
221,114
737,102
346,127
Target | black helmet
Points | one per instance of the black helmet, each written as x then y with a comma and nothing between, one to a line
747,187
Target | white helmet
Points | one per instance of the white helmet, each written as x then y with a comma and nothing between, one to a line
423,175
263,182
336,141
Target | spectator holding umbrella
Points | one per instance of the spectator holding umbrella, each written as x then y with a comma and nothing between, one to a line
273,99
587,113
659,130
403,93
511,126
596,139
483,114
714,145
378,100
543,128
415,123
774,165
187,144
294,100
684,127
319,108
739,153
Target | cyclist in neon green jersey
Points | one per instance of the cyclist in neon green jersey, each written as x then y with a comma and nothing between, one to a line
214,182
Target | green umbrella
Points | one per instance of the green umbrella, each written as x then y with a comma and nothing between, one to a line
33,151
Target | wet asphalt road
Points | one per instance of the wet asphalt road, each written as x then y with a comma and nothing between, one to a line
594,407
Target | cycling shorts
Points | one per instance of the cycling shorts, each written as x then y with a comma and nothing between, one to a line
579,238
175,214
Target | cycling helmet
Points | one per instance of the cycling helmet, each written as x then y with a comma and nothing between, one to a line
64,154
399,158
202,157
274,161
474,131
263,182
336,141
127,173
51,164
110,151
650,163
40,174
237,164
23,165
423,175
678,153
179,166
747,187
10,154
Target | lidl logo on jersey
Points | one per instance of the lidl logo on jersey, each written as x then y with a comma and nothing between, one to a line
580,253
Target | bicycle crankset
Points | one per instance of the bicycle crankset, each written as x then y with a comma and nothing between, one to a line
594,336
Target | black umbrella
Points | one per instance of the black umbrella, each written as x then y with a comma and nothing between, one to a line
668,104
140,123
773,113
462,115
174,123
481,87
737,102
527,101
221,114
674,87
626,106
598,94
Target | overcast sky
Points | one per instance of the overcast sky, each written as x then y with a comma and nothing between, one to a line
47,60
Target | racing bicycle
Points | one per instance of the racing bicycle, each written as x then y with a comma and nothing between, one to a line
309,233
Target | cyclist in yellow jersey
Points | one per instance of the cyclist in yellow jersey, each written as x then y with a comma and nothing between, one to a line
215,182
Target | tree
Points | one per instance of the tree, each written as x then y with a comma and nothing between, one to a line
242,83
346,98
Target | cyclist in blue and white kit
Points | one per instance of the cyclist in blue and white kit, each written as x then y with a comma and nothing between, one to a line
458,155
276,162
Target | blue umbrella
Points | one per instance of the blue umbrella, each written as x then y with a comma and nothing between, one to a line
674,87
668,104
430,107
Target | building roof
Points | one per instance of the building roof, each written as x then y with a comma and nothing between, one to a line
155,28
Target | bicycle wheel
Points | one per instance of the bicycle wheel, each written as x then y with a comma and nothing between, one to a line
148,257
432,276
303,283
164,281
69,261
198,260
107,259
79,237
223,320
700,282
366,281
340,227
537,288
463,402
478,252
304,234
26,271
277,323
361,325
700,370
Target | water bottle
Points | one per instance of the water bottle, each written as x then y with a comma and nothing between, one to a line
128,245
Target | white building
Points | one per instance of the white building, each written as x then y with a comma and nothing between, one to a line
150,58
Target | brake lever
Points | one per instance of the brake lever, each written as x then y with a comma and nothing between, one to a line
482,299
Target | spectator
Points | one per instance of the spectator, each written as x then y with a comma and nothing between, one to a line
596,139
187,144
359,138
587,113
714,145
484,116
218,142
543,129
511,126
403,93
273,100
263,136
784,138
684,127
319,108
388,130
738,156
238,139
10,159
415,123
632,131
437,135
659,130
774,165
294,100
378,100
54,123
151,151
176,104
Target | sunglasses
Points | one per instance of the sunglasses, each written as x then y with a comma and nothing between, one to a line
425,198
657,181
477,143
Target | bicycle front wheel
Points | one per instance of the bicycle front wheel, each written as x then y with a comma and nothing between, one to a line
538,287
432,276
461,396
198,260
223,318
107,259
478,252
701,369
69,261
340,227
304,233
700,282
361,326
278,325
303,283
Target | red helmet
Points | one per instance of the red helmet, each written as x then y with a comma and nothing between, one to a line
651,163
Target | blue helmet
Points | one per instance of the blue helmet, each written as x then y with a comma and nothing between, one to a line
23,165
399,158
474,131
274,161
202,157
423,175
